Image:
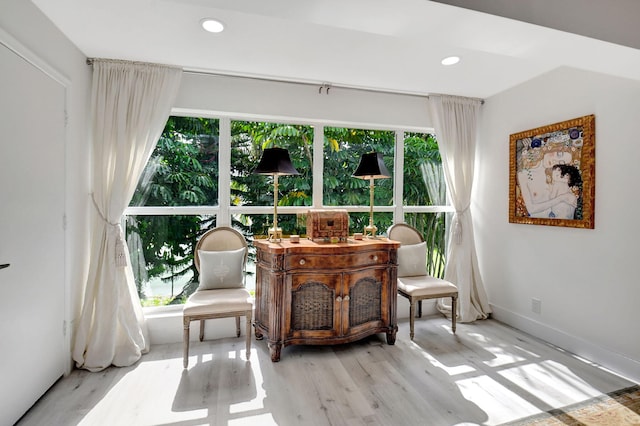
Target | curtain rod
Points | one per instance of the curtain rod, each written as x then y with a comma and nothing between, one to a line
90,61
326,86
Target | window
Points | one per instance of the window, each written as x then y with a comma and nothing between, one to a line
424,185
183,169
200,175
161,250
343,148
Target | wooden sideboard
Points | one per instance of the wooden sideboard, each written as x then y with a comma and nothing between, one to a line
311,293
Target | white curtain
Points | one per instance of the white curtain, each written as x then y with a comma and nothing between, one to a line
455,122
130,106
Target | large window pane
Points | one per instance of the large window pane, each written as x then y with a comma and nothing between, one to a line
424,185
423,178
248,140
183,168
433,227
182,171
161,250
342,151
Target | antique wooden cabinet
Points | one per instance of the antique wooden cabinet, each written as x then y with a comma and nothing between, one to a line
324,293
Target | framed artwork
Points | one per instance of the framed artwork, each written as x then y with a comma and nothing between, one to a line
552,174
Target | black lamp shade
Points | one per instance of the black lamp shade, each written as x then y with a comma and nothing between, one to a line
275,161
371,167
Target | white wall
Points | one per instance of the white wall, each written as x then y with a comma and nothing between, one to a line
250,97
586,279
27,30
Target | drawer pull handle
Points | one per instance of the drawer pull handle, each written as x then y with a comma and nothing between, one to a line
339,299
374,257
302,261
347,298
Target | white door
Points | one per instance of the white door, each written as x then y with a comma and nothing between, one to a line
32,298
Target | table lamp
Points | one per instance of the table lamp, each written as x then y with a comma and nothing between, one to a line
371,167
275,162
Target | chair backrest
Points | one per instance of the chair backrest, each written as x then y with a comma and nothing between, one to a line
404,234
222,238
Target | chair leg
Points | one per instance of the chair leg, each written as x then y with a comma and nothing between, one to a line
412,313
454,312
237,326
419,308
201,330
185,342
248,317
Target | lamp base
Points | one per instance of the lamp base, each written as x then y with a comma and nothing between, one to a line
370,231
275,234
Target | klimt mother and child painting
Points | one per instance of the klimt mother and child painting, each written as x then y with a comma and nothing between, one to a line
552,174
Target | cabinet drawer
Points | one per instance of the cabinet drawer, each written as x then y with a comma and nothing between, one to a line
337,261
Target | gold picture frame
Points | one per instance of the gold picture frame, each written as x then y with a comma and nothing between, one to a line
552,174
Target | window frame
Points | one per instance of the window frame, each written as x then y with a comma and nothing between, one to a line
224,211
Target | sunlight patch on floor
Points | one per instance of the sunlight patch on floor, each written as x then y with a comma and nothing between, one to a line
502,357
551,382
503,354
143,379
452,371
499,403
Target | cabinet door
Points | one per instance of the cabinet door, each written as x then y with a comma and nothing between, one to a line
314,306
365,300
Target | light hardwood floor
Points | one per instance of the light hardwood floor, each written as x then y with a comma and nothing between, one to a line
486,374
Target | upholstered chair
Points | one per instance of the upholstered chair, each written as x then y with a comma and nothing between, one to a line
413,281
220,257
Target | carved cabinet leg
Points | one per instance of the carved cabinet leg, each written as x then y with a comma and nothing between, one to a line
258,334
391,337
274,350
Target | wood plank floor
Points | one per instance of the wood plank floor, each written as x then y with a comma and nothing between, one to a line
486,374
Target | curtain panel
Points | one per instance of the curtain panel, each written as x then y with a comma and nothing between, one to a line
130,106
455,121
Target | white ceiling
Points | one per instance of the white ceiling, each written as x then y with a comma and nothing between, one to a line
391,45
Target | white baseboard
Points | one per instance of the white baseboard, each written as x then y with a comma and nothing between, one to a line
617,363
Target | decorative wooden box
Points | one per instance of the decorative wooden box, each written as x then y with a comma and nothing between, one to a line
327,225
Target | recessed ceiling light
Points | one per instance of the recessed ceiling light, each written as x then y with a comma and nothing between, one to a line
212,25
450,60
